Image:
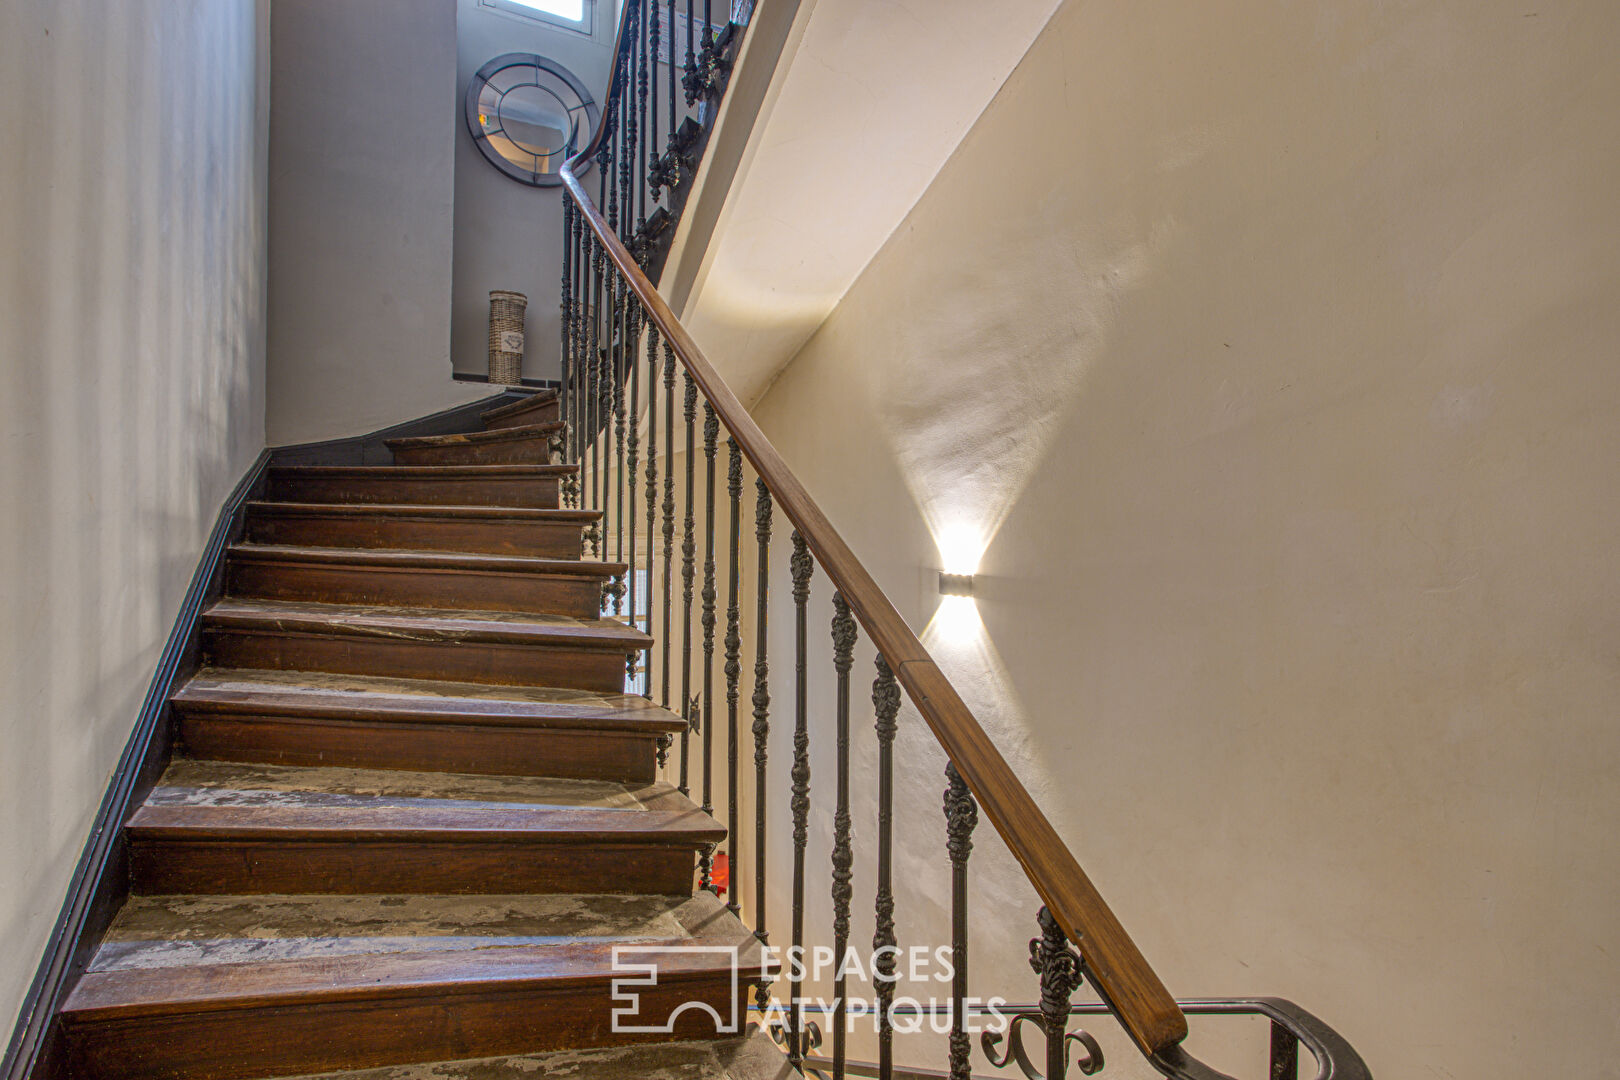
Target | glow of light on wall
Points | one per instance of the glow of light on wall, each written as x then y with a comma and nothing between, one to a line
955,622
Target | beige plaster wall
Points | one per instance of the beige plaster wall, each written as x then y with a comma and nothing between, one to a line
132,323
361,216
1268,352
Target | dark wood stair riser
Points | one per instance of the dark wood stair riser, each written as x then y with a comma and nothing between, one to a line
543,410
541,539
574,595
569,667
540,492
461,748
227,867
534,450
395,1028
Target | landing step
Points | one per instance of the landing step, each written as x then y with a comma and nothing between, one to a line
415,643
519,444
223,827
434,579
315,718
496,530
535,409
253,985
439,485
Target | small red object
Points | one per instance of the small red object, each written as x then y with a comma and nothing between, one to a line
721,873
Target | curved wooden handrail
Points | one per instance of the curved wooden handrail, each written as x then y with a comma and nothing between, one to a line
1147,1010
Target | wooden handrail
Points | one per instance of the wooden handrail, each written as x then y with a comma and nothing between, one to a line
1138,997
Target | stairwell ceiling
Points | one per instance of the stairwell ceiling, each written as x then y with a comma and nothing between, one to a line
866,110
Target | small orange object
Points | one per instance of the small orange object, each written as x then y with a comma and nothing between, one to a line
721,873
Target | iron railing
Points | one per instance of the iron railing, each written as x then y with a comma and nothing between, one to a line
623,351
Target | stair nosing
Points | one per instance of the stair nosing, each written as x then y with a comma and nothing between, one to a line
422,559
426,510
520,433
235,615
440,472
512,408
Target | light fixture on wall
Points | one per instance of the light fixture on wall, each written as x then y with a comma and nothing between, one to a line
955,584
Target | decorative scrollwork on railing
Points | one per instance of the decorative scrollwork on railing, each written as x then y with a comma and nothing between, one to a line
1090,1061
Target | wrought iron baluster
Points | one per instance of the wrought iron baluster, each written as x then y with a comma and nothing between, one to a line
565,314
961,815
667,174
802,567
762,714
616,360
688,561
886,701
707,61
691,81
1061,971
669,529
733,666
711,432
632,376
641,37
843,858
650,173
652,504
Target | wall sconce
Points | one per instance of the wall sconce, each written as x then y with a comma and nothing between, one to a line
955,584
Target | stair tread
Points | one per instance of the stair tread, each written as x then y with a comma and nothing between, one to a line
425,472
184,953
533,401
427,510
426,560
476,438
423,624
752,1057
314,693
216,797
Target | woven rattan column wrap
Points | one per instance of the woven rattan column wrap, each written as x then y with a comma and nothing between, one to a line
506,312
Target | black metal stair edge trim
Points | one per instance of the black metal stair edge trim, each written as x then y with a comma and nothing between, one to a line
372,449
100,881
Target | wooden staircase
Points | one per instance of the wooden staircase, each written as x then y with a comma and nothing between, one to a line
413,812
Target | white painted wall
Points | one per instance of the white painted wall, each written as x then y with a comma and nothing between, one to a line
509,235
132,322
1267,349
871,102
362,135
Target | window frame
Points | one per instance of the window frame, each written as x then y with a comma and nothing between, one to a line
585,25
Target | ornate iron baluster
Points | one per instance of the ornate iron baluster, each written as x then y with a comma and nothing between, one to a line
692,81
733,666
565,314
669,528
762,715
886,701
1061,972
641,116
843,857
633,377
617,360
652,504
711,432
688,559
654,38
802,567
961,815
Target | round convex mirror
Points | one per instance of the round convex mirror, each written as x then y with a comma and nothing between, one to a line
528,116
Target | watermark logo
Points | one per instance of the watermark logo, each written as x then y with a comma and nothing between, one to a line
638,1010
642,965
